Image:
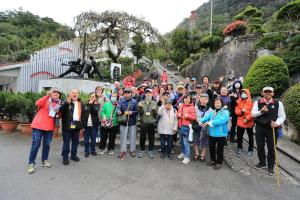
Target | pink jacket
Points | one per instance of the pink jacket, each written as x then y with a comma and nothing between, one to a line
189,111
42,120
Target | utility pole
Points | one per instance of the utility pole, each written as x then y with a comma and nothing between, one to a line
211,14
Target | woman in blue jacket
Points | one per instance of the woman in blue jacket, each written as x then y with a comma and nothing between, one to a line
217,121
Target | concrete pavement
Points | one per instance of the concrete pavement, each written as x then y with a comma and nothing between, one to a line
107,177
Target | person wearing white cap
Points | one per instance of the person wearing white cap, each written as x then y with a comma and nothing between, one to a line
268,114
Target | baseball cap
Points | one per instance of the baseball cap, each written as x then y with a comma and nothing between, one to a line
193,79
204,95
268,88
169,101
198,86
148,90
217,81
127,90
180,87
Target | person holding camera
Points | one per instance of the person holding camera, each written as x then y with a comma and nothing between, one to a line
147,110
71,124
42,127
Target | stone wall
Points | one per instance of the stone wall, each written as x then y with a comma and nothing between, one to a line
233,59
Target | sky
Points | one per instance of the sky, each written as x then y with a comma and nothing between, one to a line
164,15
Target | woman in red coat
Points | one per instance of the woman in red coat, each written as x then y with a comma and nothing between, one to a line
245,121
186,114
42,127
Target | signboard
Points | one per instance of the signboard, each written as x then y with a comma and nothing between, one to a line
115,71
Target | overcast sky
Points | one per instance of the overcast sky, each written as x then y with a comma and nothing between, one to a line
164,15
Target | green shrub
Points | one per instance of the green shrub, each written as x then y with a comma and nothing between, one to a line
212,42
267,70
270,41
13,105
292,105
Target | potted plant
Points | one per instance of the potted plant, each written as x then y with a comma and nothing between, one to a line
28,110
2,104
13,105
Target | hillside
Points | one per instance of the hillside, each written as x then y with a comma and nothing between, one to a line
22,33
224,10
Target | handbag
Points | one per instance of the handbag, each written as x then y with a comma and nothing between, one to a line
109,122
122,119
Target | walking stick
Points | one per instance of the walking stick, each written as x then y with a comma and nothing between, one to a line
276,159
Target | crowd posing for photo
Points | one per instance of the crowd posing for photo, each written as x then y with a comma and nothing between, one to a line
208,115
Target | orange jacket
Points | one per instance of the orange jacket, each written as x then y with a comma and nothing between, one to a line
246,104
189,111
42,120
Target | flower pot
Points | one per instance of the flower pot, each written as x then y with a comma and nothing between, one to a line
26,129
9,126
55,132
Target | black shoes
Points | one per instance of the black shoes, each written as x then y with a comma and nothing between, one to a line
86,155
76,159
270,171
211,163
94,154
66,161
217,167
162,156
260,166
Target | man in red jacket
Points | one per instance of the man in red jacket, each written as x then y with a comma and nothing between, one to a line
43,126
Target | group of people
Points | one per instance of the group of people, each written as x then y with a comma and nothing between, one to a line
208,115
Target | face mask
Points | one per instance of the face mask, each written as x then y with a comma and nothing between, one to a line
113,99
244,96
237,85
148,98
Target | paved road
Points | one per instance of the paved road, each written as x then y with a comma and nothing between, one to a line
108,178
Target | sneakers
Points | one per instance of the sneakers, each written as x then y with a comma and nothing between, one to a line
102,152
111,152
170,157
46,164
141,154
122,155
186,161
172,151
132,154
260,166
239,152
180,156
30,168
86,155
76,159
150,155
250,153
162,156
66,161
211,163
94,153
217,167
270,171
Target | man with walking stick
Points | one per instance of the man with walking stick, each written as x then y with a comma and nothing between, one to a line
268,115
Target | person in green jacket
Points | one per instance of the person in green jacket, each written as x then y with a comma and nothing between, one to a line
109,112
147,110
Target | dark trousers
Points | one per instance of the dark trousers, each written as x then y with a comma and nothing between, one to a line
265,134
147,129
68,136
232,132
166,143
90,133
240,134
108,133
37,136
216,143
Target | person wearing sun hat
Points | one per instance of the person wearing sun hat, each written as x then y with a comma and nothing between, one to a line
42,127
268,114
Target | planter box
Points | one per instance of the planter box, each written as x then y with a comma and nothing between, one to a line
9,126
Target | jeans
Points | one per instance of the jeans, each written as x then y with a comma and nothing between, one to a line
37,136
232,132
90,133
184,141
240,134
166,148
265,135
131,130
147,129
111,134
219,142
68,136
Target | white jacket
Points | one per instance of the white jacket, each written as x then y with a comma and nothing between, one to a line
167,123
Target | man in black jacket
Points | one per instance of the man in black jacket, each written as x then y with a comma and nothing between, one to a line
71,125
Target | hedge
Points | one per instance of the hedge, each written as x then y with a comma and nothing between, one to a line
267,70
292,105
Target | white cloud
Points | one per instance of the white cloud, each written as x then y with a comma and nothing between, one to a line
164,15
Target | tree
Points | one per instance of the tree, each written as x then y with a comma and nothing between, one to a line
212,42
112,30
180,45
139,48
267,70
290,12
